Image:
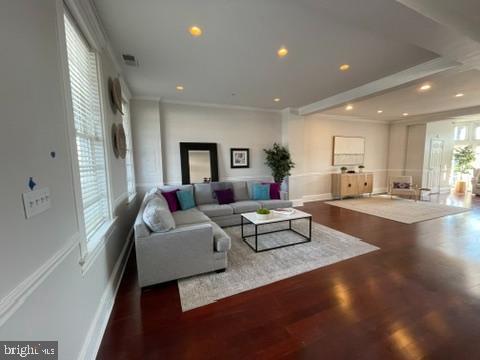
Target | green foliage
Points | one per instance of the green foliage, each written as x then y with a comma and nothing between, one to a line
464,158
263,211
279,160
344,168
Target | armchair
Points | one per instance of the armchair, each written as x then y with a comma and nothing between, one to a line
476,182
402,186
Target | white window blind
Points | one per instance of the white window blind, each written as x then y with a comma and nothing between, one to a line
129,155
82,66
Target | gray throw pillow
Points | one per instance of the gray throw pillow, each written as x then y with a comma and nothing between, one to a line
157,216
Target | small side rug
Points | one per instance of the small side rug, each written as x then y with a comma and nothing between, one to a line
396,209
249,270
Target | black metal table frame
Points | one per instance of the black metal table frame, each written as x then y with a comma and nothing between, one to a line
257,234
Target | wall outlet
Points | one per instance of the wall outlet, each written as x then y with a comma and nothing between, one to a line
36,202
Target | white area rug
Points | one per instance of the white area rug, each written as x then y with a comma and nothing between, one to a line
401,210
248,270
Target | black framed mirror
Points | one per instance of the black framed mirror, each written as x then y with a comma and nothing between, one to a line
199,162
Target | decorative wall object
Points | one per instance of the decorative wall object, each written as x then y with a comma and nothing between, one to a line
239,158
121,141
199,162
348,150
114,140
115,92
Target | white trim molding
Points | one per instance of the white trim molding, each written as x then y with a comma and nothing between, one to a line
220,106
17,297
328,196
100,320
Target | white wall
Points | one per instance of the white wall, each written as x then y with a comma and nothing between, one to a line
228,127
311,140
147,143
57,302
415,152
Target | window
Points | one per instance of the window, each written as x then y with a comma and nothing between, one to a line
477,132
460,133
129,155
476,165
90,145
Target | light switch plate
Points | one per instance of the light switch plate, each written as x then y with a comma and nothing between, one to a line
36,202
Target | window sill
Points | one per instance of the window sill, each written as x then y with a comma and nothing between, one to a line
96,244
131,199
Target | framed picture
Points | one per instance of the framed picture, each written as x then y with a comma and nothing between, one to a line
348,150
239,158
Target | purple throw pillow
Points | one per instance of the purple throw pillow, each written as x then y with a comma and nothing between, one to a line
274,190
172,200
401,185
224,196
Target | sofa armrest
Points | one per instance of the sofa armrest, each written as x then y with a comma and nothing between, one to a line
174,254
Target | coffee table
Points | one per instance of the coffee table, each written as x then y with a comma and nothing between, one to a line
251,217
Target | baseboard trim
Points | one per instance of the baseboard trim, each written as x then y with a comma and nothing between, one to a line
327,196
17,297
102,315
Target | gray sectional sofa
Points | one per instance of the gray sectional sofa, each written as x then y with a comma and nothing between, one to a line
197,243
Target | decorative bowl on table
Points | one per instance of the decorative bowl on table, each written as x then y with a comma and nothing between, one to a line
263,214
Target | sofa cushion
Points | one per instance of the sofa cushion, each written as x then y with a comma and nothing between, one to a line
220,238
261,192
212,210
274,190
241,207
223,185
203,194
190,216
157,216
275,204
171,197
224,196
240,191
185,198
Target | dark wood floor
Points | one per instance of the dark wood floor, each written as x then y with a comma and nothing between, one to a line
417,297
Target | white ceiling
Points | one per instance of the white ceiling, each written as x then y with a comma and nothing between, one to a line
441,97
237,53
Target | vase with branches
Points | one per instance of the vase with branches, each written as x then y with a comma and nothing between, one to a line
279,161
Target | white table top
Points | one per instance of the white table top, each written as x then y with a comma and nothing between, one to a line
275,217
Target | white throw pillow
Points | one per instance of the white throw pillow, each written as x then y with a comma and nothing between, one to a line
157,216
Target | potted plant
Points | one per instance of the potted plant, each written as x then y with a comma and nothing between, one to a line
279,161
464,158
343,169
263,214
360,168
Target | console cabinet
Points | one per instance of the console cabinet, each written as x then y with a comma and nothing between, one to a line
345,185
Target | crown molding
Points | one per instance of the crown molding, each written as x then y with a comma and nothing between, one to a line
220,106
147,98
438,116
349,118
411,74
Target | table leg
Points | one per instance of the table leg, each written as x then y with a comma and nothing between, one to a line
256,238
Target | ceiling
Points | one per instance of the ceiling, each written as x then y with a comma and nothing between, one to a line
235,62
408,98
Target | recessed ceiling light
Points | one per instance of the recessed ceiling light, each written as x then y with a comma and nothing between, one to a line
459,94
379,111
195,31
180,88
344,67
425,87
405,114
349,107
276,99
282,52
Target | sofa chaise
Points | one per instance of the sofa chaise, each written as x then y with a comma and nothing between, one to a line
195,242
